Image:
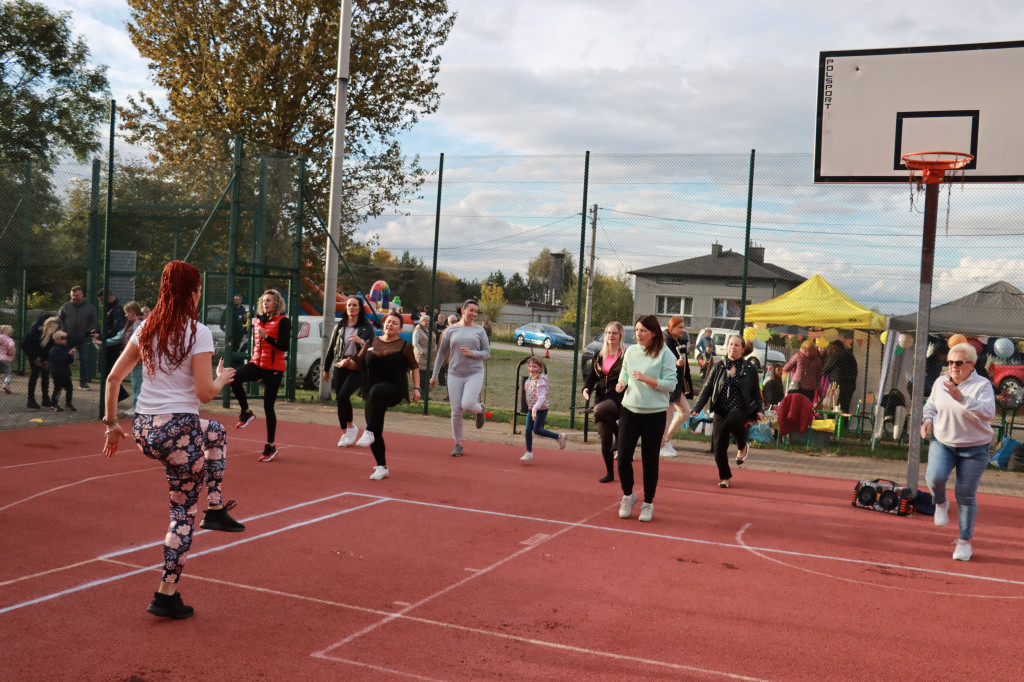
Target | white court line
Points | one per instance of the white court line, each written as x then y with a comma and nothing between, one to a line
710,543
49,461
90,479
192,555
755,552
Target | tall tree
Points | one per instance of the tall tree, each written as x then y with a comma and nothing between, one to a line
50,99
267,71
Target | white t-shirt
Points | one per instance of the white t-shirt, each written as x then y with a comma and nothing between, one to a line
174,391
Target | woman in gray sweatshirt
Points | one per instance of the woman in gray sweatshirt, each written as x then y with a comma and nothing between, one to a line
466,347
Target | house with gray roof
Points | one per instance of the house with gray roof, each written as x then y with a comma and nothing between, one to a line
705,291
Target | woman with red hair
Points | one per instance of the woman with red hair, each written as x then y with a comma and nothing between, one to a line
176,352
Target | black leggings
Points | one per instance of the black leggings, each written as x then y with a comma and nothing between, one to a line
734,424
347,382
378,400
606,414
271,384
648,428
43,377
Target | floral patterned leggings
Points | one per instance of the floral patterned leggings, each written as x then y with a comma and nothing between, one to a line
192,452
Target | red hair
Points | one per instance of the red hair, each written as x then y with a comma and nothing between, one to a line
175,310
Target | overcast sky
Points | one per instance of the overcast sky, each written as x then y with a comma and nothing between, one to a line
554,77
551,76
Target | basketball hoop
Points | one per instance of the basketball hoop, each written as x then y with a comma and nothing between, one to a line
933,165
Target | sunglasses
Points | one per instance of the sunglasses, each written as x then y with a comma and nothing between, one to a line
958,363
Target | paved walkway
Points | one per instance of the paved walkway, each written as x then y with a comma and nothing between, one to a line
763,458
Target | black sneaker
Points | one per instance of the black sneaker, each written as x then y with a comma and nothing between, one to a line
32,404
219,519
70,408
480,417
56,408
169,606
269,453
46,402
244,419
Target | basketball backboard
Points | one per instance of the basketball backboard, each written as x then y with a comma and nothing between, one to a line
876,105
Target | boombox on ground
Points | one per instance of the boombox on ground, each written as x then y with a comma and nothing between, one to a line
884,496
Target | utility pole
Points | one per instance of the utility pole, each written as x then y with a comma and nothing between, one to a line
334,211
585,330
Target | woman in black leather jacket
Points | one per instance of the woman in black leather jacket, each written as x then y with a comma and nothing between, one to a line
732,393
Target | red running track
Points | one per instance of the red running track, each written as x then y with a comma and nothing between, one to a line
480,568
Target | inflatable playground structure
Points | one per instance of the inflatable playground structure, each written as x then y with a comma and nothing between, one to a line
376,305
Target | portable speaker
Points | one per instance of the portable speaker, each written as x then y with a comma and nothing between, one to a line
885,496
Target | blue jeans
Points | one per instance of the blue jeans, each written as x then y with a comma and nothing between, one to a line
537,427
970,463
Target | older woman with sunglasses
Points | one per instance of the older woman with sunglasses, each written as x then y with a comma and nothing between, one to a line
959,413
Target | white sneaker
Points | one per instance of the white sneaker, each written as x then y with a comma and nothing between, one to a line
348,437
365,440
626,506
379,473
667,451
527,457
962,552
646,511
942,515
561,441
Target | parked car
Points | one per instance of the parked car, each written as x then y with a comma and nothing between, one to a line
587,356
757,356
1008,379
540,334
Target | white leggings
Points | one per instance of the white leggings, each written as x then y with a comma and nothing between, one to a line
464,394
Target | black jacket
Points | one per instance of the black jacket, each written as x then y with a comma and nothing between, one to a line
746,374
601,385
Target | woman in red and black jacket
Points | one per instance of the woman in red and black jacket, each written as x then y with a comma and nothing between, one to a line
272,332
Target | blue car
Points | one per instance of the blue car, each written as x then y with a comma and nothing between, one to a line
547,335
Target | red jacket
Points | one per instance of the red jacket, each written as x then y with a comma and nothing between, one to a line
269,353
795,414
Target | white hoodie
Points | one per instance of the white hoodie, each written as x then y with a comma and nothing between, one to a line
965,423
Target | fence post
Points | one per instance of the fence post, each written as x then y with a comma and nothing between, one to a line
236,196
106,260
746,253
579,290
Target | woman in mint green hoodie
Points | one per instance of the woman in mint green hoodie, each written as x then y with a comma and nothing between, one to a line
648,376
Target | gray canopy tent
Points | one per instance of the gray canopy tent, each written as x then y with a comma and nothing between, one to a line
994,310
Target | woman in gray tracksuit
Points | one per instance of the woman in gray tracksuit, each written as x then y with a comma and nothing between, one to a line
466,347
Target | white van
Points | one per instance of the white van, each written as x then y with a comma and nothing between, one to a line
757,356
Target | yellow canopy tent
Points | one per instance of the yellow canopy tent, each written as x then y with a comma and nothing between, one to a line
815,303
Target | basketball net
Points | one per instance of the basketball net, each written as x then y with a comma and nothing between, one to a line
925,168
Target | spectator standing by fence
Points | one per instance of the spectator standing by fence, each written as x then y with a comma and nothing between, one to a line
6,354
78,318
36,347
60,358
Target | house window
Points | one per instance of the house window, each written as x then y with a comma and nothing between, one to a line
674,305
727,308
